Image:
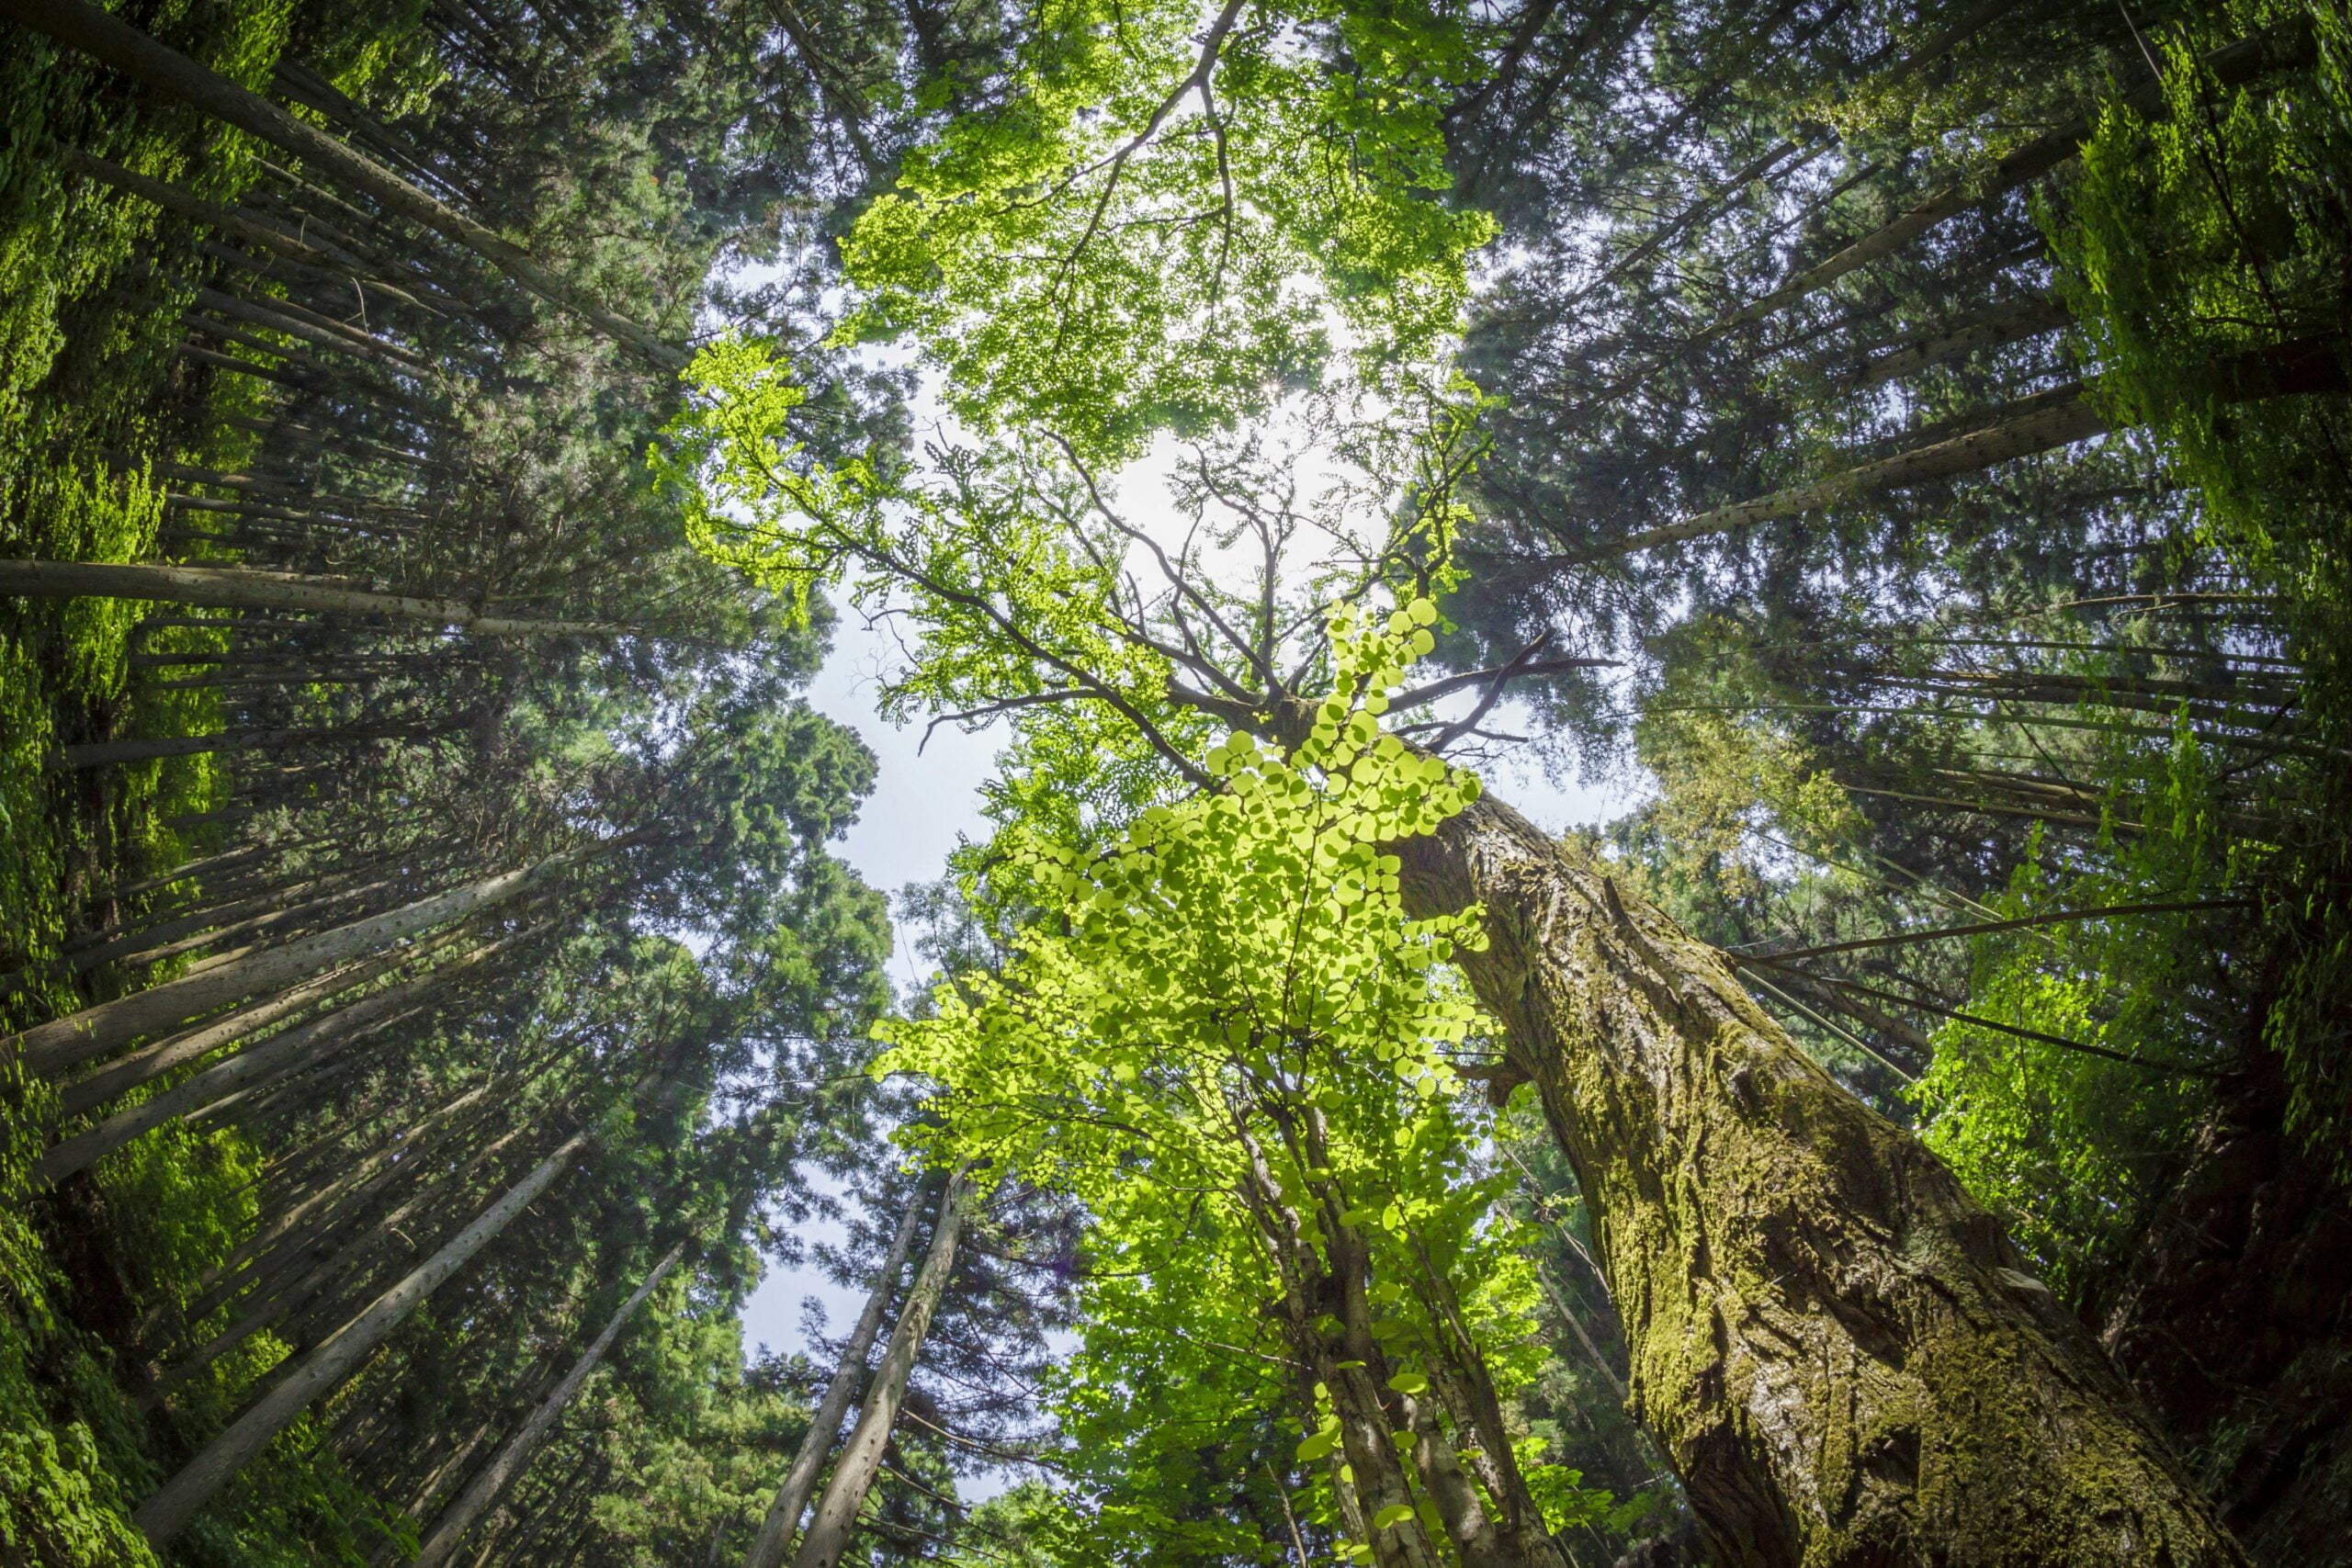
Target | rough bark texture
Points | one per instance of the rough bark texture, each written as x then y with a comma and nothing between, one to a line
800,1481
1835,1343
861,1457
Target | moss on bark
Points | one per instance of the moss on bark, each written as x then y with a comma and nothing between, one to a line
1839,1349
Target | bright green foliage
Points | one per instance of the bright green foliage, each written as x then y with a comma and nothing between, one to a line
1149,226
1223,1009
1006,599
1017,582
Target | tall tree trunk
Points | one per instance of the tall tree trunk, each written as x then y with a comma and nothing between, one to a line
166,1512
2059,417
861,1457
99,753
302,1279
362,1180
297,1048
2053,419
121,46
516,1451
2281,48
50,1048
792,1497
1348,1361
208,924
238,587
1838,1347
151,1062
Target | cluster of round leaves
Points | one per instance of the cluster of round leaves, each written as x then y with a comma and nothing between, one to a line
1250,934
1234,965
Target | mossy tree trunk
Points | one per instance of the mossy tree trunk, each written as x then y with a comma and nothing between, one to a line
1839,1347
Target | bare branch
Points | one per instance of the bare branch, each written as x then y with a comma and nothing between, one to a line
1495,688
990,710
1450,684
1985,927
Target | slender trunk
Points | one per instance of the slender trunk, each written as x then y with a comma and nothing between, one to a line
226,861
100,753
341,339
1835,1344
1462,1383
297,1048
861,1457
150,1063
792,1497
2278,48
2059,417
305,86
50,1048
2012,322
482,1491
1350,1364
124,48
163,1515
2053,419
298,1278
360,1183
1476,1543
209,923
236,587
259,232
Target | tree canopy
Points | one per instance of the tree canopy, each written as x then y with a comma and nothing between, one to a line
1886,457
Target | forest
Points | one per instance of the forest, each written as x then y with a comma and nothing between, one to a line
1897,452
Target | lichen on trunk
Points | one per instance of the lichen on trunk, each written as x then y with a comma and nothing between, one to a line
1839,1348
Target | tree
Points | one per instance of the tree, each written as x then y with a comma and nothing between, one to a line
781,1521
1226,1041
1011,564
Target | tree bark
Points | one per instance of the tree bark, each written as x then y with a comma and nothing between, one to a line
1835,1343
291,1051
517,1450
2280,48
792,1497
123,47
241,587
50,1048
151,1062
861,1457
166,1512
343,339
360,1182
100,753
2058,418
